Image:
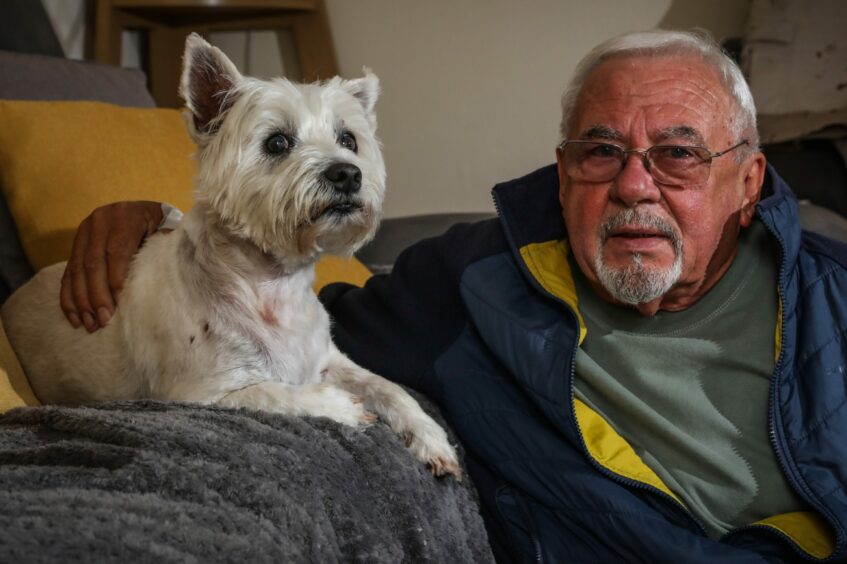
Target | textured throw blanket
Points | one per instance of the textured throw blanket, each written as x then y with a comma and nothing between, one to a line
150,481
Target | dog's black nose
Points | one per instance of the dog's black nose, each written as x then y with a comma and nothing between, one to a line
345,177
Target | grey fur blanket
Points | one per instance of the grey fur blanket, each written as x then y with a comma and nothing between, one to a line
150,481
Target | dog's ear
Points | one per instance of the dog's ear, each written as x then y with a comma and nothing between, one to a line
208,80
365,89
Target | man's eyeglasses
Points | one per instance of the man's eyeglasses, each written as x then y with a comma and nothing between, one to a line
675,165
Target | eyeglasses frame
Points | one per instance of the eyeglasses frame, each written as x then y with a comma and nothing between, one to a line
643,152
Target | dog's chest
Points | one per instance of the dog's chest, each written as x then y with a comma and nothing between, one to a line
283,332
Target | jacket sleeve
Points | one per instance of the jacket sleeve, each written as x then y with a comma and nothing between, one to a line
399,323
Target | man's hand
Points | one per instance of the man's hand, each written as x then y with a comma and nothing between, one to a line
103,248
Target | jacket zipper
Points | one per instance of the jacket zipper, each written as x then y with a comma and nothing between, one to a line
795,481
602,469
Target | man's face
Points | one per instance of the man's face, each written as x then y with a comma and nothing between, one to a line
666,243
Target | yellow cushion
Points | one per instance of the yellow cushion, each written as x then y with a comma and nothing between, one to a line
335,269
60,160
14,387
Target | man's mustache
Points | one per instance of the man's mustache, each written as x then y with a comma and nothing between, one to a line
641,219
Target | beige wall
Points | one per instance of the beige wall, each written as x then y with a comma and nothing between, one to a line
470,87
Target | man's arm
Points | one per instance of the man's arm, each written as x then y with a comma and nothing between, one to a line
398,324
99,263
395,326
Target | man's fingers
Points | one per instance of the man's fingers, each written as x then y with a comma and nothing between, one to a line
66,300
97,284
100,259
96,269
74,284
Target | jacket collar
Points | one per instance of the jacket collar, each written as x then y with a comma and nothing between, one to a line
777,209
529,208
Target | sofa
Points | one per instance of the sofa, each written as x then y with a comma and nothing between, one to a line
148,480
164,481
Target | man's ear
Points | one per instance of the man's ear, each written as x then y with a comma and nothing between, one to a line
365,89
754,177
208,81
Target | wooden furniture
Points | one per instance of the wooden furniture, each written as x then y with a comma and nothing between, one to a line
166,23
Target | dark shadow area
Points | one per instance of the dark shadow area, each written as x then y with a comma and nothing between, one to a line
25,28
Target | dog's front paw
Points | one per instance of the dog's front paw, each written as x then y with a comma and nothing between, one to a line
428,442
340,406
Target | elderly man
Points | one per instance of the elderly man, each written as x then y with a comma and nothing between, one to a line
660,377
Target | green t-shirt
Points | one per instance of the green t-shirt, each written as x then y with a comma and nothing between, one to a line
689,390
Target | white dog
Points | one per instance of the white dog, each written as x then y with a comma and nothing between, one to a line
222,310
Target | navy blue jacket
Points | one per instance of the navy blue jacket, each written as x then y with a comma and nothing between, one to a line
485,321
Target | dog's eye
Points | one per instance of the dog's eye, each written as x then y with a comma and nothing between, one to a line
348,141
277,144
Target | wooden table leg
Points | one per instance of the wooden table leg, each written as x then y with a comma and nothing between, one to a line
313,43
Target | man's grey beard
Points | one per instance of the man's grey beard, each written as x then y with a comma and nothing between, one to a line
638,284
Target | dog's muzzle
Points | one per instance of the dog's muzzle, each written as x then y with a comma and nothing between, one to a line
345,181
342,208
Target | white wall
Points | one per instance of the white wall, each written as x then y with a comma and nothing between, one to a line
470,87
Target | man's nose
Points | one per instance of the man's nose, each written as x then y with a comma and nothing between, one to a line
634,184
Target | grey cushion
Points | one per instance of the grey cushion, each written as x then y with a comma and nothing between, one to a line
36,77
823,221
396,234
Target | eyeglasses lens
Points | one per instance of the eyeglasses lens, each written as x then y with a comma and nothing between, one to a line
669,164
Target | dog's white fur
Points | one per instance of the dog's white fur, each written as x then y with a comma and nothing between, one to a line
222,310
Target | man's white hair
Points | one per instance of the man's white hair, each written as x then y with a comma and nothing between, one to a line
659,43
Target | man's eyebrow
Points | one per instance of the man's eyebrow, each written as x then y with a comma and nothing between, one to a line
686,132
603,132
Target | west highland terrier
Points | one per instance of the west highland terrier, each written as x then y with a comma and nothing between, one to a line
222,309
